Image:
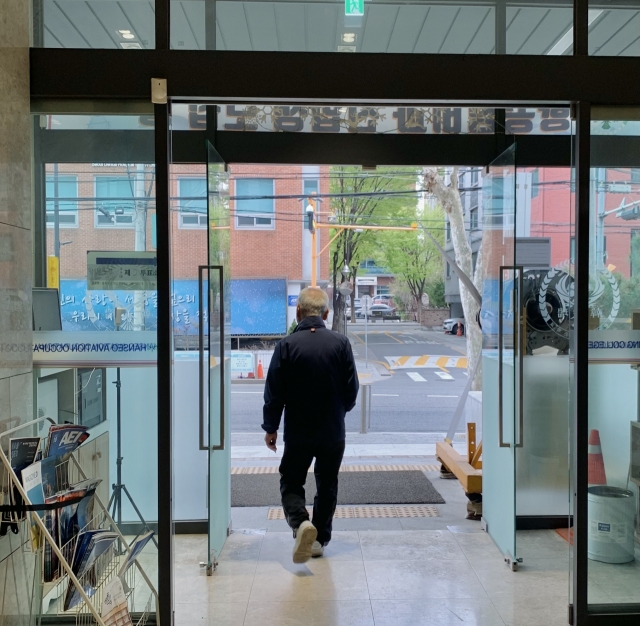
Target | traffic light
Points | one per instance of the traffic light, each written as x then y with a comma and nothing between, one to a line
632,213
629,211
310,218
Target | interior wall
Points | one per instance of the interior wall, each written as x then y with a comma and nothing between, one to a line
17,567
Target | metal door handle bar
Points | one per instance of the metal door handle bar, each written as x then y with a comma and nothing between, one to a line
201,270
221,326
519,338
522,346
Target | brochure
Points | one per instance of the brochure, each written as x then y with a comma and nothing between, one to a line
50,560
90,545
136,548
32,483
22,453
115,611
65,438
75,517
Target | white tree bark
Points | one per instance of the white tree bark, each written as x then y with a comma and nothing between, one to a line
449,198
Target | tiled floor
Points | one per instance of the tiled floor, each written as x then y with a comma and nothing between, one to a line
440,571
382,577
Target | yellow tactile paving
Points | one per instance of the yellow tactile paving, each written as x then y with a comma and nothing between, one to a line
371,511
273,469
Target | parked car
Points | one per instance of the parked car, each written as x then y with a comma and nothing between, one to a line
359,313
380,310
451,325
384,298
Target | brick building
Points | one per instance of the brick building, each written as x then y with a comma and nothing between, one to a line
111,207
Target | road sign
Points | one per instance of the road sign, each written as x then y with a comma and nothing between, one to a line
366,302
354,7
127,271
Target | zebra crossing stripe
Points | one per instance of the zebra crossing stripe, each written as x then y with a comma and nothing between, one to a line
426,361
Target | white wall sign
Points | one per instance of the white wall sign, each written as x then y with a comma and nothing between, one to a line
614,345
100,348
126,271
241,362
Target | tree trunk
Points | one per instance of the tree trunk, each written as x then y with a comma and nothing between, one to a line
449,198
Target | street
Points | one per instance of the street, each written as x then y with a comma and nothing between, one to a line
421,375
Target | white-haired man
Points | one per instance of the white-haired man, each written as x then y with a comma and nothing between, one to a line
313,377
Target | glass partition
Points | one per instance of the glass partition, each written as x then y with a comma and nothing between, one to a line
381,27
613,30
128,25
95,370
614,355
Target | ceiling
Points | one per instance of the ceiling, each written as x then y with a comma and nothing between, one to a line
318,26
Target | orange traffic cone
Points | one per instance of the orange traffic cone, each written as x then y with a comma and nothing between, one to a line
260,369
459,333
597,475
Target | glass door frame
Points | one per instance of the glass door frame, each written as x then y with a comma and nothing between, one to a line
578,612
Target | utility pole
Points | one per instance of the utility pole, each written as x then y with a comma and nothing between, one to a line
140,223
56,213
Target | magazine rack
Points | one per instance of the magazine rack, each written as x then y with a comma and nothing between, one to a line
107,566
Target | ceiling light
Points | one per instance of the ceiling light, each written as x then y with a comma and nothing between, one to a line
128,36
346,48
124,32
348,37
129,45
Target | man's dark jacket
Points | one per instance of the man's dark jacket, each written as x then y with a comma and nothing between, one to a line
312,376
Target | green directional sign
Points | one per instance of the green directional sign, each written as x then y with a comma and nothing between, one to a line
354,7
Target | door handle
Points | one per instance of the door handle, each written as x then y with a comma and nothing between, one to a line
201,363
522,317
201,270
222,366
501,441
519,343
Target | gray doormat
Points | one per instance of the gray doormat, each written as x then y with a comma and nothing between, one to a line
410,487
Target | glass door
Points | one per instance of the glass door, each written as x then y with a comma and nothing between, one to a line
502,353
217,367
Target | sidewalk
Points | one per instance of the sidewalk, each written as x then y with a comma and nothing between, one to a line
251,446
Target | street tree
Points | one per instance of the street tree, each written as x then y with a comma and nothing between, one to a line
447,194
365,198
413,257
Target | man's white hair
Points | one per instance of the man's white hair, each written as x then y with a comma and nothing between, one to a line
313,302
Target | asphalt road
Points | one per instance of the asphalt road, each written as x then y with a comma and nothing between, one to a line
415,394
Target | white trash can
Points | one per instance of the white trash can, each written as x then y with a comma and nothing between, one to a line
611,521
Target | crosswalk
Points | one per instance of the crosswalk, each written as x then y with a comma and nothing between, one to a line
426,361
419,378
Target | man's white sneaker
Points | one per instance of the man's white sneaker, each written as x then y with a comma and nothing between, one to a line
317,549
305,538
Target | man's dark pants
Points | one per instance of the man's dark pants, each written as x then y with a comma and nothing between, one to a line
295,464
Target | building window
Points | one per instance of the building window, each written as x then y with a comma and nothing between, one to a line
255,205
193,202
535,178
67,205
474,177
448,271
473,218
447,231
115,204
635,174
634,265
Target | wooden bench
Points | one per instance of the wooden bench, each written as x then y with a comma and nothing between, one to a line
470,478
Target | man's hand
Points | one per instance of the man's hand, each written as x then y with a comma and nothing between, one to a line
270,440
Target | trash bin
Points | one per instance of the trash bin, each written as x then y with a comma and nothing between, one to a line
611,524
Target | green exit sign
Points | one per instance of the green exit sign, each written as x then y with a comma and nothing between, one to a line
354,7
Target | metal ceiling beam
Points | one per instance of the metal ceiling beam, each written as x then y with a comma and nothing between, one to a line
294,77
